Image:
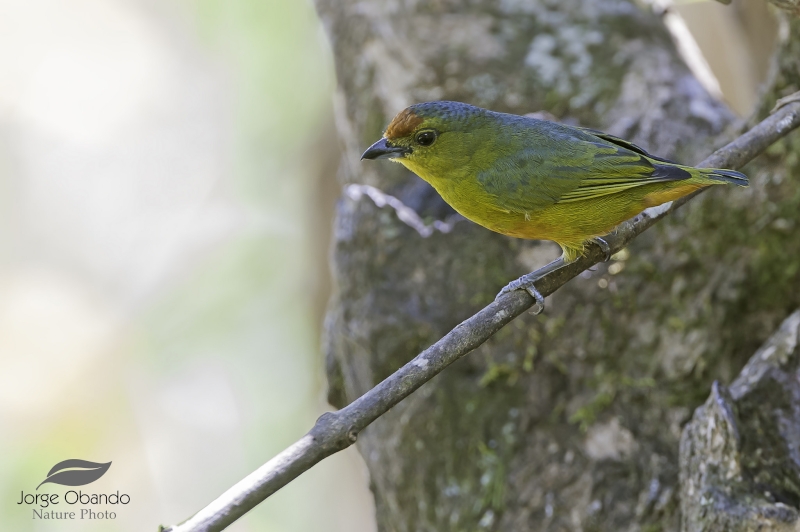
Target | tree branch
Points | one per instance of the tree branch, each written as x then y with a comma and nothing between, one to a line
335,431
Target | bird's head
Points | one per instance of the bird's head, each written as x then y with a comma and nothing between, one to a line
432,139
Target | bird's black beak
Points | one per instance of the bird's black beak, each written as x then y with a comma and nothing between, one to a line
383,149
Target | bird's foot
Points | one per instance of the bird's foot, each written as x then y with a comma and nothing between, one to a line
526,282
604,247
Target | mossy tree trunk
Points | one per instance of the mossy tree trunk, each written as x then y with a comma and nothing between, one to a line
570,420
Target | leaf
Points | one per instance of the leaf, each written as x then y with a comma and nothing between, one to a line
78,472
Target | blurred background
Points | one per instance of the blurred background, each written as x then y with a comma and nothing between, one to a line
162,264
167,180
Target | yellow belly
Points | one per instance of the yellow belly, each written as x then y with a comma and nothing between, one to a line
571,224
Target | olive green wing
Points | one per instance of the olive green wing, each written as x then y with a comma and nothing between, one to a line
574,165
615,169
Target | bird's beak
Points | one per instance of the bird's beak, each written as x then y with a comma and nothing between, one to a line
383,149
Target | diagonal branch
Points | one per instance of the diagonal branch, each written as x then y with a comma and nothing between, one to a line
335,431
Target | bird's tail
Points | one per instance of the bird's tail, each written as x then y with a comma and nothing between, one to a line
726,176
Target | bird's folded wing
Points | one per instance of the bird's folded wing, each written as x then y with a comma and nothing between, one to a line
591,189
594,165
613,173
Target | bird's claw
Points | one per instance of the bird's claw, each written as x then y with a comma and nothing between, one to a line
526,283
604,247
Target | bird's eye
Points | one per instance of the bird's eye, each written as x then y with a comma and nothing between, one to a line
425,138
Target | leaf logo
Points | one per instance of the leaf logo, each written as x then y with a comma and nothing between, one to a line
75,472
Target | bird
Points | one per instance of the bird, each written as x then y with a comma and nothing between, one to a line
535,179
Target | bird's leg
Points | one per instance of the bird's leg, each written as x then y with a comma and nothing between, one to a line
604,247
526,282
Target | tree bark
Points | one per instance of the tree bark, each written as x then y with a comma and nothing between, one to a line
569,420
740,469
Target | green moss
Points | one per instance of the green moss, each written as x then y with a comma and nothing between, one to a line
585,416
499,372
493,478
611,385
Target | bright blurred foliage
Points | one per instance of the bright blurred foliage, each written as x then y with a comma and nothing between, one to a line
158,172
